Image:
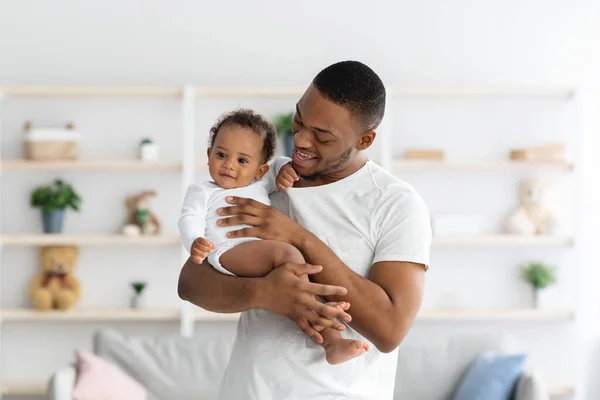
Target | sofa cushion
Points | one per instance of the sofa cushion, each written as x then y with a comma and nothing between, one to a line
170,367
531,386
492,377
93,374
430,368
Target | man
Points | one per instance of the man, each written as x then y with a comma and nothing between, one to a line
366,236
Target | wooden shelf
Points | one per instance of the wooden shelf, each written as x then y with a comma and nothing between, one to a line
174,314
89,165
475,166
280,91
490,315
91,314
87,240
109,314
24,388
562,391
249,91
91,91
482,91
484,240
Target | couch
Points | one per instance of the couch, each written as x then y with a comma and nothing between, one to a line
177,368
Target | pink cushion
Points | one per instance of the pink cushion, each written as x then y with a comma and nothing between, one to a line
98,379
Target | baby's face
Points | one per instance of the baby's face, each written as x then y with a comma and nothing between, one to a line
235,160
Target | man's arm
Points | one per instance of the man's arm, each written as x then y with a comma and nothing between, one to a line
202,285
283,291
384,306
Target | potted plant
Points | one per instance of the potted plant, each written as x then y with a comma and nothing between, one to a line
53,200
148,150
137,300
283,124
539,276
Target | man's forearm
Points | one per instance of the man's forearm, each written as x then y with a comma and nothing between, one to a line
204,287
363,295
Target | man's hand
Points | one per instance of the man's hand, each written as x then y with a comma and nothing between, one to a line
286,177
266,222
200,249
288,293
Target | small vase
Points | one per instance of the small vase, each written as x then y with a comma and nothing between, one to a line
536,298
53,221
138,301
149,152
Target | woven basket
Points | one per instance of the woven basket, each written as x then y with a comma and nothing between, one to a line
51,143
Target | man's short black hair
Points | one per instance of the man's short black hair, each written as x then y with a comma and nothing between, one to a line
245,118
357,88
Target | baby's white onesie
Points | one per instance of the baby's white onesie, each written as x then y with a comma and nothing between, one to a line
199,212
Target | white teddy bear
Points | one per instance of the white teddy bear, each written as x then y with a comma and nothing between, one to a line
533,216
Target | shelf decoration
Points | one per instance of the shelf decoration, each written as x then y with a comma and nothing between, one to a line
425,154
51,143
138,297
539,276
532,216
550,152
140,218
55,286
148,150
53,200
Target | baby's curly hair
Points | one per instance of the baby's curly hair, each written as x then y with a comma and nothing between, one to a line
246,118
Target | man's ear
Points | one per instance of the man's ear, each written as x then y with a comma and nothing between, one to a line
366,139
262,170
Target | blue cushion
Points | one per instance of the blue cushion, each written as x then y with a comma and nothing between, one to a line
492,376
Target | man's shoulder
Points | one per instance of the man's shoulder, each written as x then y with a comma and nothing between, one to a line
388,184
392,191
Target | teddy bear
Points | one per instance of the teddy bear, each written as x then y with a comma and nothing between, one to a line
533,216
55,286
140,218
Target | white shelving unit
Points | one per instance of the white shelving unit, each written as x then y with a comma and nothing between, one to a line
187,166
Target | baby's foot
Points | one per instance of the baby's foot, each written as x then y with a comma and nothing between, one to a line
342,350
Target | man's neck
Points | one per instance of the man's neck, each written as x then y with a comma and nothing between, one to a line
349,168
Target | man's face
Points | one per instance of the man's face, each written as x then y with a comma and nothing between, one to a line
325,136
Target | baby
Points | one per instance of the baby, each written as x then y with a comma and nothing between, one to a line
241,144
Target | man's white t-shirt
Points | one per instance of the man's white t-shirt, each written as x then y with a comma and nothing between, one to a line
368,217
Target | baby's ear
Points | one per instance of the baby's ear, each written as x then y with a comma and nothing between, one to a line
262,170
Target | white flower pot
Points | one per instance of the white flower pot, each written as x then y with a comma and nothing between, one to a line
138,301
149,152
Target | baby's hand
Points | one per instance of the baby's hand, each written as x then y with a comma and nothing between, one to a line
286,177
200,248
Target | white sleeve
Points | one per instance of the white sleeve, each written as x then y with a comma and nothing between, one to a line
405,229
192,221
271,175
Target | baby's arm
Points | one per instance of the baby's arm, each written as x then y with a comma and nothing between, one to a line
192,222
286,177
272,176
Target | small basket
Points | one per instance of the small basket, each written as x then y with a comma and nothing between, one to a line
51,143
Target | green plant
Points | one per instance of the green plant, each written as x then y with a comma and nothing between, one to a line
283,123
538,275
138,287
58,196
146,141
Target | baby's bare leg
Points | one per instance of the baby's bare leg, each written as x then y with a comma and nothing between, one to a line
258,257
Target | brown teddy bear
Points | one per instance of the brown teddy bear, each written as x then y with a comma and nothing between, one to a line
55,286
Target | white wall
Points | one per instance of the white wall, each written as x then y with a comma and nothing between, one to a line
127,42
